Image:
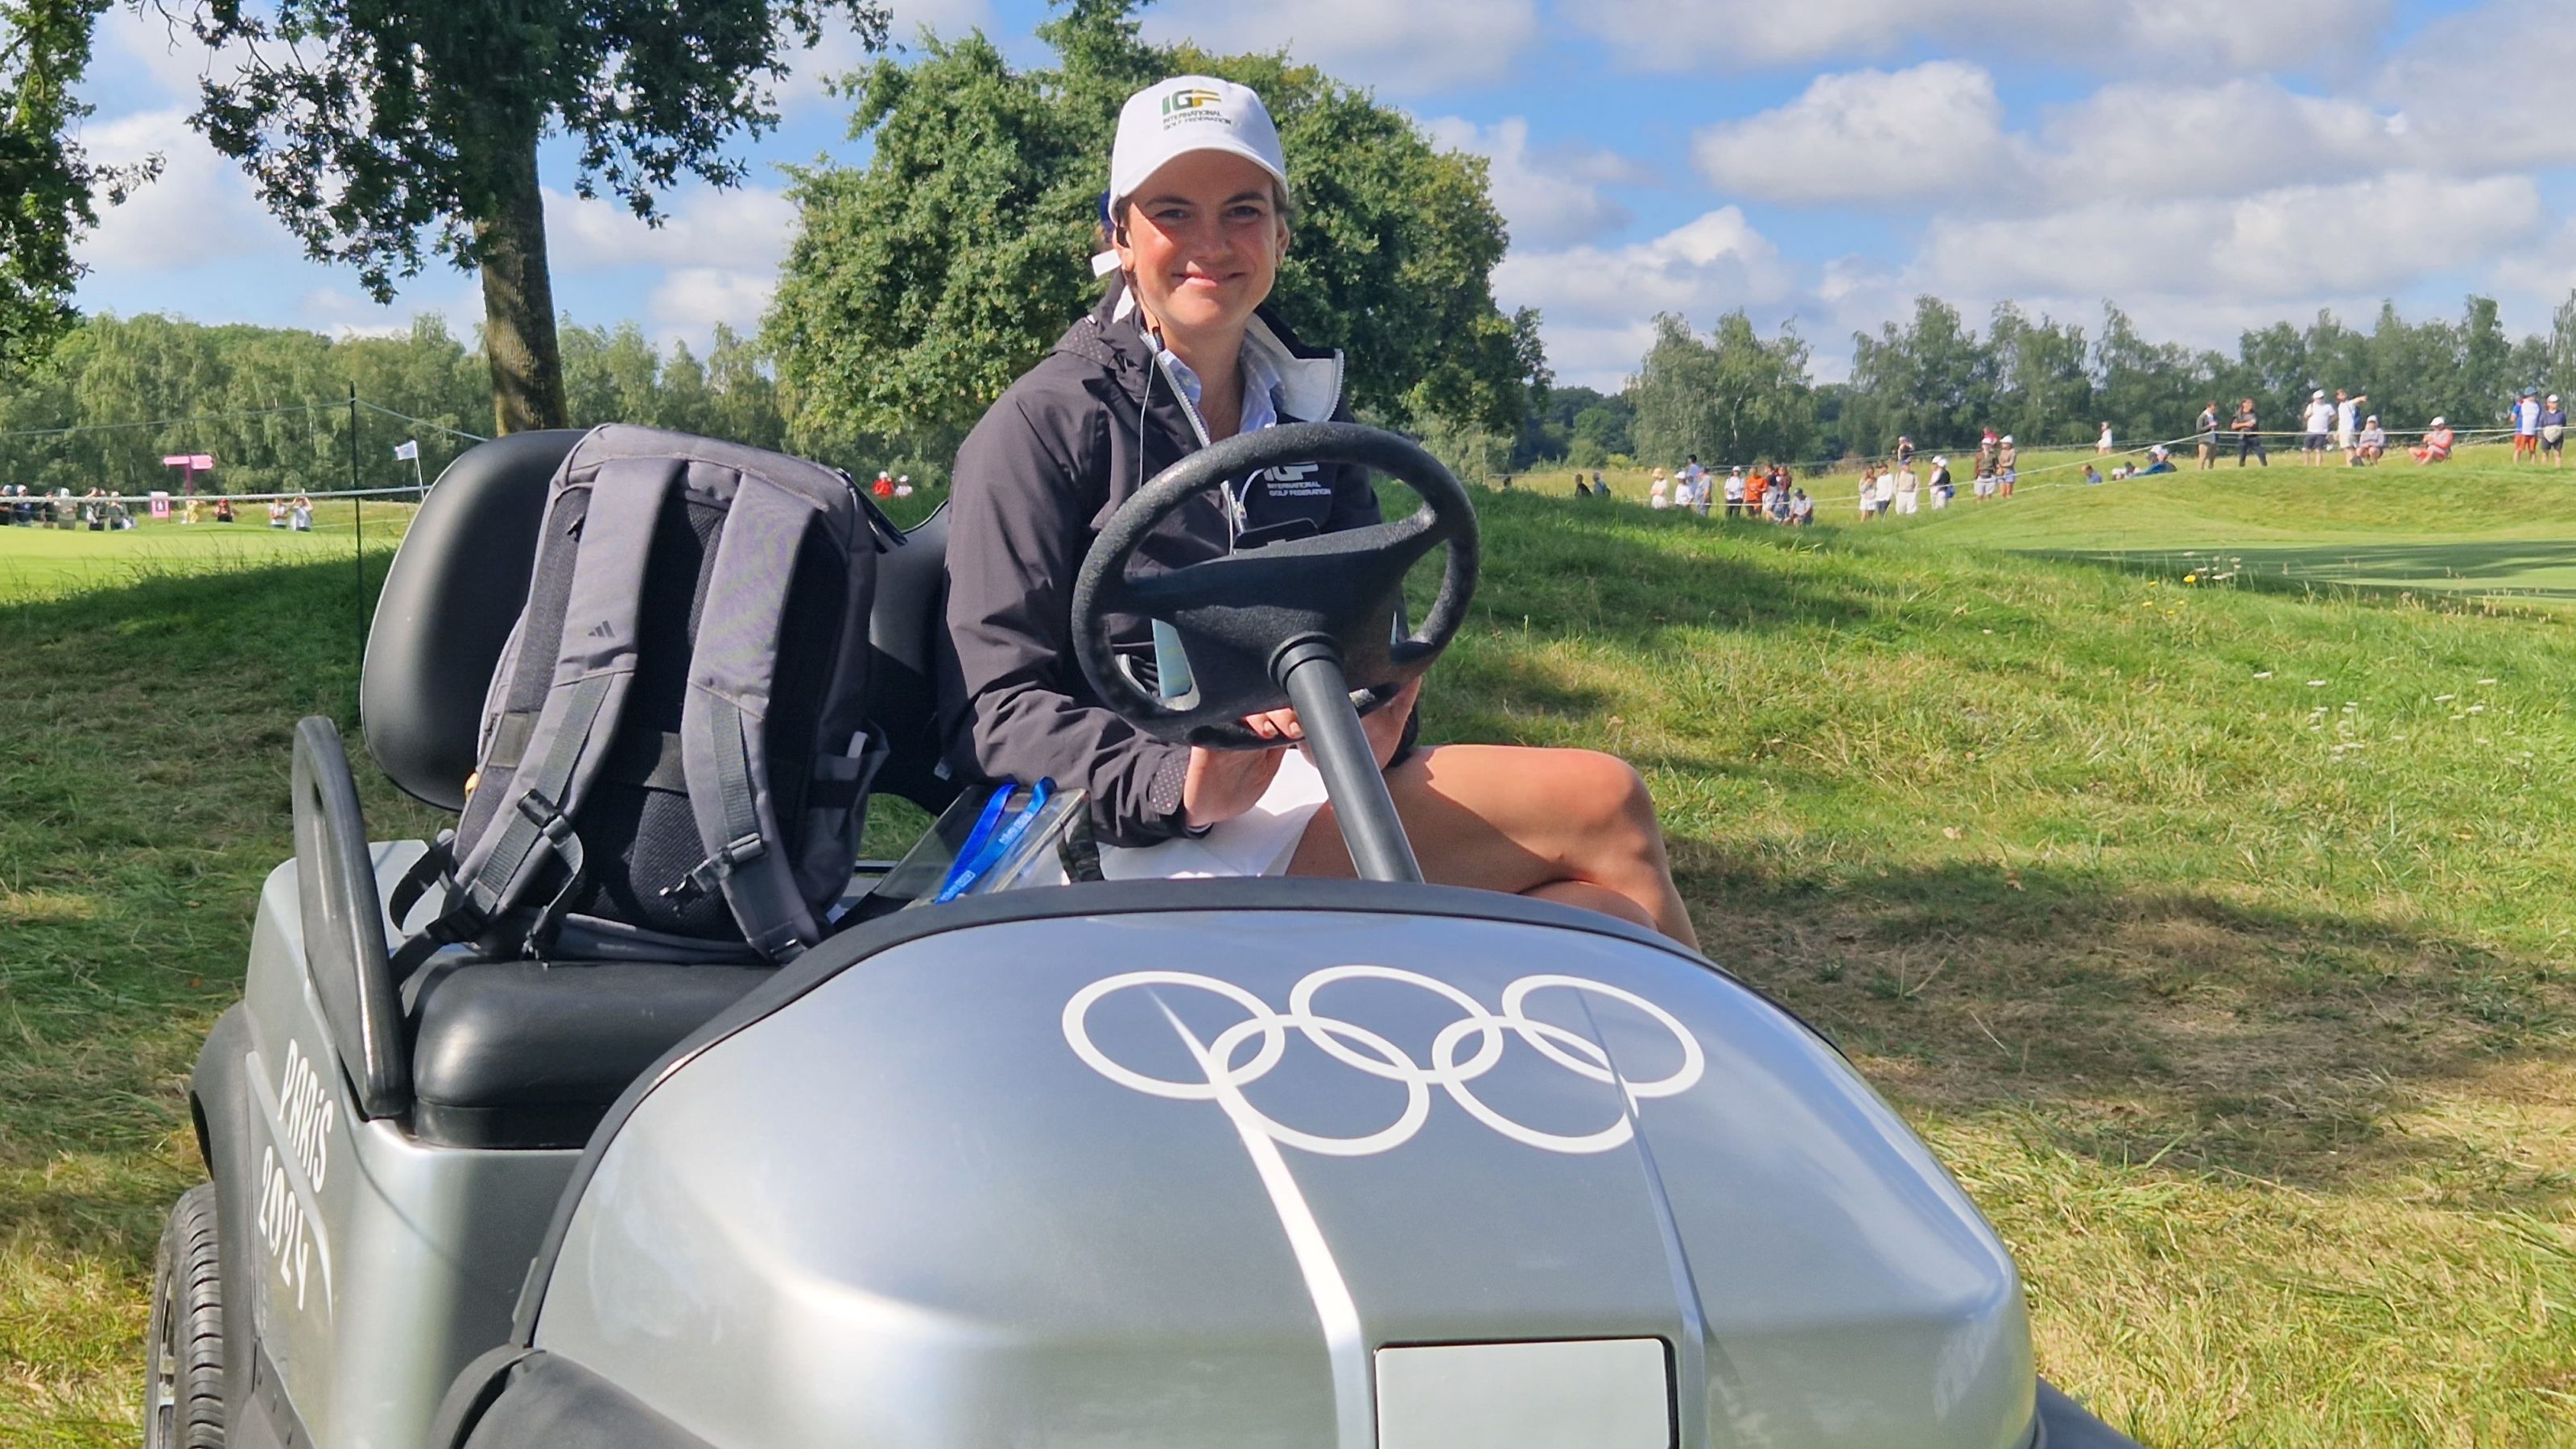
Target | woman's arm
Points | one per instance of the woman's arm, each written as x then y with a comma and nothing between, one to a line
1020,523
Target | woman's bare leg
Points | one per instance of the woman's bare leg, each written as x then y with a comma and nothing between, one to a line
1568,825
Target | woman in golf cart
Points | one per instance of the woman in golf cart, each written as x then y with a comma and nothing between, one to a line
1180,353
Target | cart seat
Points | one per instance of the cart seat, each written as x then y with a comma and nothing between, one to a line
523,1054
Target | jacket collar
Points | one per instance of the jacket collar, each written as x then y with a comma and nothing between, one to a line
1310,378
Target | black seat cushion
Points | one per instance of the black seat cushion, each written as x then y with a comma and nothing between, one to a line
524,1054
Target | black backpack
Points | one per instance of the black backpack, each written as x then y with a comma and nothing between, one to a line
674,759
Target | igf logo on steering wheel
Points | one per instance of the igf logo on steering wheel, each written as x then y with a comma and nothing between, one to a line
1463,1051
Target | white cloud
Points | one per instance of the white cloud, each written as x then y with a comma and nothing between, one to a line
2292,242
746,227
2156,138
1550,199
839,52
2113,34
1864,136
200,209
1405,48
1596,302
690,301
2486,89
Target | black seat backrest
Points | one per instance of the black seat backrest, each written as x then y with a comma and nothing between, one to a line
461,577
449,602
909,632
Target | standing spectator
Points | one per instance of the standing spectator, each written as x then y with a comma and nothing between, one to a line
1695,475
2526,425
277,513
2437,443
1756,488
1868,491
2102,444
2319,430
1886,490
2348,422
2007,466
1779,496
1904,451
299,515
1581,488
1735,491
1909,495
2553,432
1599,488
1659,491
2249,438
2207,428
2372,444
1940,483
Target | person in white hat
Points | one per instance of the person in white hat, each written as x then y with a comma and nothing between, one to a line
2437,443
2318,430
1183,350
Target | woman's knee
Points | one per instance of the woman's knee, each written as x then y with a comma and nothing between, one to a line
1601,798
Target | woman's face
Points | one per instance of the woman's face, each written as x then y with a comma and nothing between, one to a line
1203,241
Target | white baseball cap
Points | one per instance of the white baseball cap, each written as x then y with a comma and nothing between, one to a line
1170,119
2320,392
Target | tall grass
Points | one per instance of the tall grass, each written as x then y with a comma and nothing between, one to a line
2216,937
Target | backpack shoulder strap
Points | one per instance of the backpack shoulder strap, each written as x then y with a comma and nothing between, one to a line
723,739
594,665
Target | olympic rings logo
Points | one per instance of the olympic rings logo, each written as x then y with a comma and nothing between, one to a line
1246,1052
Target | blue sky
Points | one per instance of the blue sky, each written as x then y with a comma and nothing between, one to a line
2210,165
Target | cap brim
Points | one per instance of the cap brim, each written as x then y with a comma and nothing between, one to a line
1225,142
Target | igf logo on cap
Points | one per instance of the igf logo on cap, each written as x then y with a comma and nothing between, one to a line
1193,105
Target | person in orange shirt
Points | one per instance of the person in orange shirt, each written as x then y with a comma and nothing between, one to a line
1757,483
2437,443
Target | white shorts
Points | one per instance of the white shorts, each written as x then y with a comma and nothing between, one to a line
1260,841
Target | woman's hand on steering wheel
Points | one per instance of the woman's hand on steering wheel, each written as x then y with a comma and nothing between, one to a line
1222,784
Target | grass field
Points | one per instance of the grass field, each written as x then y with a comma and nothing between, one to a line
2216,936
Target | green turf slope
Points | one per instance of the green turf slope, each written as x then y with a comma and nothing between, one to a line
2217,939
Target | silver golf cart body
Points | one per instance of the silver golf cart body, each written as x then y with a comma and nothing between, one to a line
1239,1162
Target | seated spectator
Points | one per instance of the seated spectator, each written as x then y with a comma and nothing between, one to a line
2372,443
2092,474
2158,461
2436,446
1802,509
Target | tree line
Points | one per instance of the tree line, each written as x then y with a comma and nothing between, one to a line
118,394
1737,395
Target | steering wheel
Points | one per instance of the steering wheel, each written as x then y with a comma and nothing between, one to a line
1239,616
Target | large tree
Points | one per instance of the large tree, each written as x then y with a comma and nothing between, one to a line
47,183
384,135
922,283
1733,398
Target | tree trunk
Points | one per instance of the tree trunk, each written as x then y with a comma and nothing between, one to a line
519,300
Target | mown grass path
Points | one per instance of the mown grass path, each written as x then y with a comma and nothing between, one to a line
2217,937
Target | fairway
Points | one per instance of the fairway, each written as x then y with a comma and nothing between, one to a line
2217,940
38,563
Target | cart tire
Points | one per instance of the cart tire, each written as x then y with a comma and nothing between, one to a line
183,1382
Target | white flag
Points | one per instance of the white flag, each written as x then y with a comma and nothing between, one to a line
408,450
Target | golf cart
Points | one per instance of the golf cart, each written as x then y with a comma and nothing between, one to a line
1152,1164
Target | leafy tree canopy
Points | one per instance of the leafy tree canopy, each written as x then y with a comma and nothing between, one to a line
46,178
1734,397
924,282
382,135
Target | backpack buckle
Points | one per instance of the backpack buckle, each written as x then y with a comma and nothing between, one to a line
706,873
